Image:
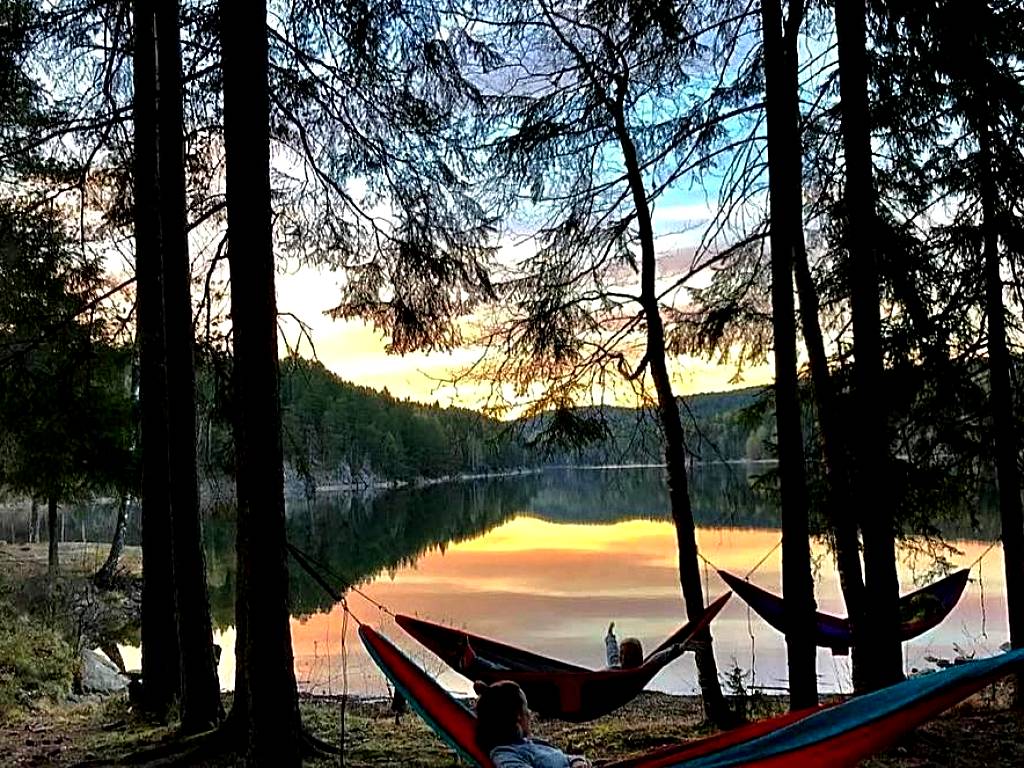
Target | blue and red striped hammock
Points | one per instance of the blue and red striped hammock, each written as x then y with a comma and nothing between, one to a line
837,736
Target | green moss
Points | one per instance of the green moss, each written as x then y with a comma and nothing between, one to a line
35,662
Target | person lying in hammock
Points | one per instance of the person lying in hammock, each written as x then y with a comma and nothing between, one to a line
470,664
503,730
629,654
625,655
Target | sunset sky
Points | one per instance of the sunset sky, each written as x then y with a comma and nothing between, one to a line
356,352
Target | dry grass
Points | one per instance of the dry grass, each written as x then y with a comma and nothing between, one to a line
77,559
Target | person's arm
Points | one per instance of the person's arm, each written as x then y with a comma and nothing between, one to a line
671,652
611,646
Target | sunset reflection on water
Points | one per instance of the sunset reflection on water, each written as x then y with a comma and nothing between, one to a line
554,587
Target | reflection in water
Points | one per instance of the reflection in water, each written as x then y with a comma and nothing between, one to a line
554,587
547,561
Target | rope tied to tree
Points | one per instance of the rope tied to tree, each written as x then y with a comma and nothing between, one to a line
763,560
344,679
988,549
317,568
751,572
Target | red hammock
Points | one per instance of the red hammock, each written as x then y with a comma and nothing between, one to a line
920,611
554,688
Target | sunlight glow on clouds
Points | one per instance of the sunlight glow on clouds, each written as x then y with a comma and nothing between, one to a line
356,352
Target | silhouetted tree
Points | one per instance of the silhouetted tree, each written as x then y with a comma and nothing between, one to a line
596,124
960,61
781,66
161,657
266,708
200,694
868,441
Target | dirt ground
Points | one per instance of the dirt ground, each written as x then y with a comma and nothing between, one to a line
979,733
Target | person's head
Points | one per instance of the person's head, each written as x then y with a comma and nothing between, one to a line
502,716
631,653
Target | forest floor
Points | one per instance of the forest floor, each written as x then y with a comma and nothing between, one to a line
62,731
976,734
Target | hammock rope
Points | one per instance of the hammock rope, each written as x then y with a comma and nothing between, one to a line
708,562
988,549
750,621
317,570
306,563
753,648
707,584
344,682
981,589
763,560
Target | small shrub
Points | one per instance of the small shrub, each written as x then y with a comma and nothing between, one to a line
35,662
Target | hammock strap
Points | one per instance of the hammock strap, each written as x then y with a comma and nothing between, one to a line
981,585
988,549
762,561
344,681
300,558
316,569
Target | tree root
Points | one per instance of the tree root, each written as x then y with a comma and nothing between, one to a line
192,750
174,751
313,746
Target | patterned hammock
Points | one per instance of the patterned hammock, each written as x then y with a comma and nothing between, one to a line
555,688
919,611
836,736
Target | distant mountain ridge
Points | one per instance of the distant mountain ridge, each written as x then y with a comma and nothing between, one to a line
338,433
335,432
719,426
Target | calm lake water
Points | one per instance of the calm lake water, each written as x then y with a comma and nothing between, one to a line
546,561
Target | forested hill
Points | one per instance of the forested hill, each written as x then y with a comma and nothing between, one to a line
718,425
339,433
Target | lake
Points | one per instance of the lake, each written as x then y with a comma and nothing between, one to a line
545,561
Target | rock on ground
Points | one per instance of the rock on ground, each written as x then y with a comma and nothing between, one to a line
99,675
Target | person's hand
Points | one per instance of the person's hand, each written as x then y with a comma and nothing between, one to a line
611,628
579,762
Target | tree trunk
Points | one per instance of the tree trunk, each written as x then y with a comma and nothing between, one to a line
270,723
715,706
53,554
160,656
1001,405
842,515
870,446
104,577
33,524
785,190
200,689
